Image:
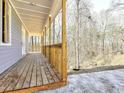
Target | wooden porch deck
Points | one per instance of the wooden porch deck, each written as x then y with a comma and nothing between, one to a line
32,73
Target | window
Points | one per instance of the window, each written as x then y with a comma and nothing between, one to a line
6,22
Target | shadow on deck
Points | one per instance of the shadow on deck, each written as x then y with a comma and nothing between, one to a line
30,74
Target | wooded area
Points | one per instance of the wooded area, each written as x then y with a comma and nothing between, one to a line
95,38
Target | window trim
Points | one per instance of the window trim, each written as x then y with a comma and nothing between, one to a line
10,22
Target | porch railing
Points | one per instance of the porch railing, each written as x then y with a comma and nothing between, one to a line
57,53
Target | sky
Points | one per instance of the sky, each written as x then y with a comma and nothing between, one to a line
99,5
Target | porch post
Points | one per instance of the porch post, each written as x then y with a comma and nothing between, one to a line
50,38
45,42
64,42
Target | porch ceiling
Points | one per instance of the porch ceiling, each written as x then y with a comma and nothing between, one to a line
33,13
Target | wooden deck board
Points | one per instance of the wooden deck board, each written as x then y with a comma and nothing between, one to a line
16,77
48,74
44,77
30,72
39,75
56,79
22,78
7,78
34,75
5,74
7,71
26,83
4,82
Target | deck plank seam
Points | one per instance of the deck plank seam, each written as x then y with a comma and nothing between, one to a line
11,67
32,71
41,72
49,71
31,74
18,78
38,69
53,74
6,76
25,75
28,70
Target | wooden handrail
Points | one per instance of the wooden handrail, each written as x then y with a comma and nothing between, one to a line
54,45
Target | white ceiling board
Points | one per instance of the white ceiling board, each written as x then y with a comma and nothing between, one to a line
33,12
30,13
33,26
35,29
33,4
36,26
47,3
32,16
32,19
27,6
31,22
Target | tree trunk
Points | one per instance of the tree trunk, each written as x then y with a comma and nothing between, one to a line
77,67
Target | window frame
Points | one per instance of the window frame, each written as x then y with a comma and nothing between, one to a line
5,27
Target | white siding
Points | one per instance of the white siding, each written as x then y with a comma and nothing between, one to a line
9,55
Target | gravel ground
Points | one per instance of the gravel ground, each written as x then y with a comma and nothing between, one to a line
97,82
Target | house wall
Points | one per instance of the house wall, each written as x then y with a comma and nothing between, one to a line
9,55
26,41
